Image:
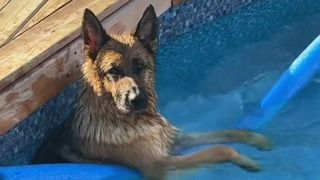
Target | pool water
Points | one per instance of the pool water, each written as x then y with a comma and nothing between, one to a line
211,77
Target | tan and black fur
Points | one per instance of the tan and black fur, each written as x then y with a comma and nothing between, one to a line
117,118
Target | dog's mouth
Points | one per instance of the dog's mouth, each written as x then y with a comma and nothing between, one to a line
127,104
139,104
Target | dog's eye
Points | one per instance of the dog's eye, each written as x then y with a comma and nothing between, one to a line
139,67
115,72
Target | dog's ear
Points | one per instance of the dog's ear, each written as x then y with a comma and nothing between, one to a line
147,29
93,34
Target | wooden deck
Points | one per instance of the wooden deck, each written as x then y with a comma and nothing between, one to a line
40,47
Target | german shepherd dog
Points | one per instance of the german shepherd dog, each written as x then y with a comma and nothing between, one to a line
117,119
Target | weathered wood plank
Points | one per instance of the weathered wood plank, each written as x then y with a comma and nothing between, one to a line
19,100
14,15
41,41
176,2
3,3
31,91
49,8
126,19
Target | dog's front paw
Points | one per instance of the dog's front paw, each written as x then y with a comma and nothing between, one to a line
246,163
259,141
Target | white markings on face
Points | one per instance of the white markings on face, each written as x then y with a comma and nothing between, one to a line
126,94
110,77
121,104
133,93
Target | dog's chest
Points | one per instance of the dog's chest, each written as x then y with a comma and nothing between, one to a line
137,144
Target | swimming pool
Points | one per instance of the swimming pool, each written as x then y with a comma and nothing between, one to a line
213,76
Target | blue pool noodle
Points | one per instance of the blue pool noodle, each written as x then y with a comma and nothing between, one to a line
68,172
300,72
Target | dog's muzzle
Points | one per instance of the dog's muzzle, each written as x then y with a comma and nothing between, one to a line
132,100
139,103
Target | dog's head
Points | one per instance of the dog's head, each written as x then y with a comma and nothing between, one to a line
122,67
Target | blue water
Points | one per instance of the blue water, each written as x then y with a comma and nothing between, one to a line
213,76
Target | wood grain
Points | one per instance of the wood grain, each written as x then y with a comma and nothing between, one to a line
177,2
26,94
126,19
16,14
49,8
3,3
41,41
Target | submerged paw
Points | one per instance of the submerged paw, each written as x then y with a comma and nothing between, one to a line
246,163
251,167
261,142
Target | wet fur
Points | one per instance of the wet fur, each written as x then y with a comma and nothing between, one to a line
101,130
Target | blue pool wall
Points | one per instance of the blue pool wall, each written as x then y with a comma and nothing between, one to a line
261,17
248,25
193,13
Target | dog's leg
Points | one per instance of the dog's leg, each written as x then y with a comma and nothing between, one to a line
230,136
216,155
213,155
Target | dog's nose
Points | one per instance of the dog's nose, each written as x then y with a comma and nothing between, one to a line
140,102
